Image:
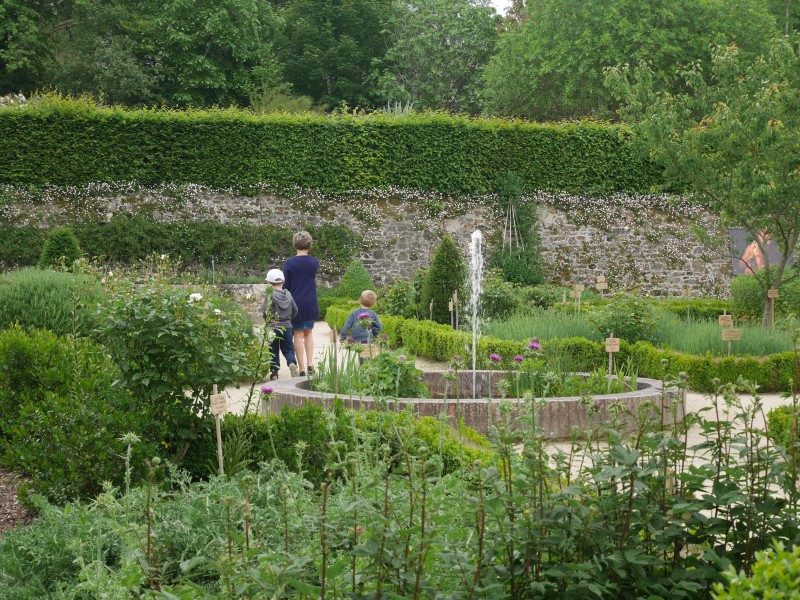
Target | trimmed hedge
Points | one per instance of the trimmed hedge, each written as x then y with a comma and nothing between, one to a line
235,247
440,342
65,141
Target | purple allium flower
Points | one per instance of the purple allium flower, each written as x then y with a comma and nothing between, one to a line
265,389
401,357
384,337
518,358
596,405
494,357
534,344
456,358
363,316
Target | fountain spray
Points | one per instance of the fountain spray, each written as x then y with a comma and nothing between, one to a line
476,287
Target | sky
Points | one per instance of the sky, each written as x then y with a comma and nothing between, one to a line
501,5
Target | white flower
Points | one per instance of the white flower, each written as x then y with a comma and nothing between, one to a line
163,257
195,298
249,296
217,311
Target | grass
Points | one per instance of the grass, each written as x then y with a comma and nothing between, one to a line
543,324
695,336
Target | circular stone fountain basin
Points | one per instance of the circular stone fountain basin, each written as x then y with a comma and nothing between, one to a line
557,416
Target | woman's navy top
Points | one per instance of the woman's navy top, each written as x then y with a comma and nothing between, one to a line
300,273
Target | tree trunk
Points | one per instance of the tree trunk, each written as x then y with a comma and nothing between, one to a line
766,320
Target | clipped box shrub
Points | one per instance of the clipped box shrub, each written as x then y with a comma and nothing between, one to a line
780,425
60,247
698,308
775,574
772,373
355,280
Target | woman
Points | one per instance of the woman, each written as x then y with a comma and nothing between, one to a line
300,272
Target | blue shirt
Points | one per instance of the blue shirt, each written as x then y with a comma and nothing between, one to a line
300,273
361,334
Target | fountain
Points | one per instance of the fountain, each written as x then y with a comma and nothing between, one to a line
476,288
557,417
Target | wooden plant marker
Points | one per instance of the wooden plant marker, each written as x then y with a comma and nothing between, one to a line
450,308
564,302
455,307
219,406
726,320
578,293
687,292
772,295
731,335
430,311
601,284
612,346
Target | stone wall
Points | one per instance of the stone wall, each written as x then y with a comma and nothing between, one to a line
641,242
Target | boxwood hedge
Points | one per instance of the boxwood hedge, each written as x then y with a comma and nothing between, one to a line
440,342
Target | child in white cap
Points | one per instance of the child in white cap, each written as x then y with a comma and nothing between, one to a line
279,314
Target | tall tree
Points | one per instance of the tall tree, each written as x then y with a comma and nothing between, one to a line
731,142
439,50
328,47
551,64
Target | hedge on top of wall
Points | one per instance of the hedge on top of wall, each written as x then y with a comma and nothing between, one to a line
440,342
64,141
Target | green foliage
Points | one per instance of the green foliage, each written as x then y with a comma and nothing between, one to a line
63,414
708,139
172,345
447,273
543,324
236,247
60,247
399,299
774,575
499,298
336,153
781,426
697,309
749,297
328,47
550,64
628,316
61,302
440,342
437,53
355,280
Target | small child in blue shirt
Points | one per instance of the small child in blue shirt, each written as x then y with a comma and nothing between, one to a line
354,326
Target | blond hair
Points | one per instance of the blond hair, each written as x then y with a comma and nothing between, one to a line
368,298
302,240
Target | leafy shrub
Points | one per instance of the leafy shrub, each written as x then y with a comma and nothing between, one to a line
61,246
63,415
698,309
499,298
774,575
20,246
424,151
301,436
172,345
399,299
355,280
628,316
446,274
61,302
780,425
749,297
393,374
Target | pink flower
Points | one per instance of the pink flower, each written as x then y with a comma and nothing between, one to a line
518,358
363,316
495,357
401,357
265,389
534,344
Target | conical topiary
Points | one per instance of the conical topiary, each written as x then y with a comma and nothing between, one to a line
447,273
356,279
60,245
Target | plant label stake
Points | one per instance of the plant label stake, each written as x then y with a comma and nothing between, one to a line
731,335
601,284
430,311
219,406
772,294
455,306
334,336
452,316
612,345
687,293
726,320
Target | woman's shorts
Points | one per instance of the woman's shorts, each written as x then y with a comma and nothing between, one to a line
302,325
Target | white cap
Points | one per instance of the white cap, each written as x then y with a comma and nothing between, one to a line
274,276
